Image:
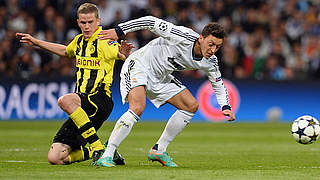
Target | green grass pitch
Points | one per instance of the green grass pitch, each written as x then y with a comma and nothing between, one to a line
202,150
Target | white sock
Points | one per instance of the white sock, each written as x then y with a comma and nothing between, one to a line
120,131
178,121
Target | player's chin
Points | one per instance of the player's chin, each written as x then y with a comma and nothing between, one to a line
87,33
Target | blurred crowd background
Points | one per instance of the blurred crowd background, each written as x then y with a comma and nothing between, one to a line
267,39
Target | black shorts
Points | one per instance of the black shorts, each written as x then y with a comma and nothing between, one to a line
98,110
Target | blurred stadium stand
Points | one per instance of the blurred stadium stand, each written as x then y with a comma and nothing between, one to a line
272,48
267,39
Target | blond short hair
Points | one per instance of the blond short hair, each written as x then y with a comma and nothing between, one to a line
88,8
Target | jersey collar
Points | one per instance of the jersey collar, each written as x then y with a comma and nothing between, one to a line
95,34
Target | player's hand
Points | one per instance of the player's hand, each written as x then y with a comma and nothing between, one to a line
26,38
125,49
230,114
108,34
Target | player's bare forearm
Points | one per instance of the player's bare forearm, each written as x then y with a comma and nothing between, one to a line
55,48
108,34
230,114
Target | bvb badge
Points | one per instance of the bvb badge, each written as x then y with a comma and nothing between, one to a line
92,48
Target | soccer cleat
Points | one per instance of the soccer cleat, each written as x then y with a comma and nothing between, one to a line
106,162
95,156
117,158
163,158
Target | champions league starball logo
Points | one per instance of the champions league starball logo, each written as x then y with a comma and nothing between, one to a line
208,104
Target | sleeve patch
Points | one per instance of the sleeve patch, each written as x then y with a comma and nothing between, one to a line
218,79
163,26
111,42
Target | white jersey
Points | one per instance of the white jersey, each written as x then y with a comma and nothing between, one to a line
173,51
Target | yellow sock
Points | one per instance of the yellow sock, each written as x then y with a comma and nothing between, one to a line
79,155
88,132
79,117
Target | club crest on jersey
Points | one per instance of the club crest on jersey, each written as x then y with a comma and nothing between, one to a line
92,49
134,80
218,79
111,42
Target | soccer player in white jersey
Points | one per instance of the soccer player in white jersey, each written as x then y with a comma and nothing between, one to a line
147,74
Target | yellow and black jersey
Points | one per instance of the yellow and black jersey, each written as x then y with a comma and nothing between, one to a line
94,62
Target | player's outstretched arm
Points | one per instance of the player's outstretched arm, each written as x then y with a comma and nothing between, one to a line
157,26
58,49
108,34
125,50
230,114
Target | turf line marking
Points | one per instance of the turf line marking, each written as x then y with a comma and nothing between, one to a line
312,167
19,150
14,161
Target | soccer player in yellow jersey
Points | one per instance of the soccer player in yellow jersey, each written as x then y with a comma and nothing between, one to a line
91,103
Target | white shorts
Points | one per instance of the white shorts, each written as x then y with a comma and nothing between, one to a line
134,74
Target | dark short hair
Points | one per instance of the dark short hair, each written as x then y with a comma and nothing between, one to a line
214,29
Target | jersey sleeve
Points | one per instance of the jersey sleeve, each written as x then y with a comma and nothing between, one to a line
219,88
160,27
111,49
70,49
